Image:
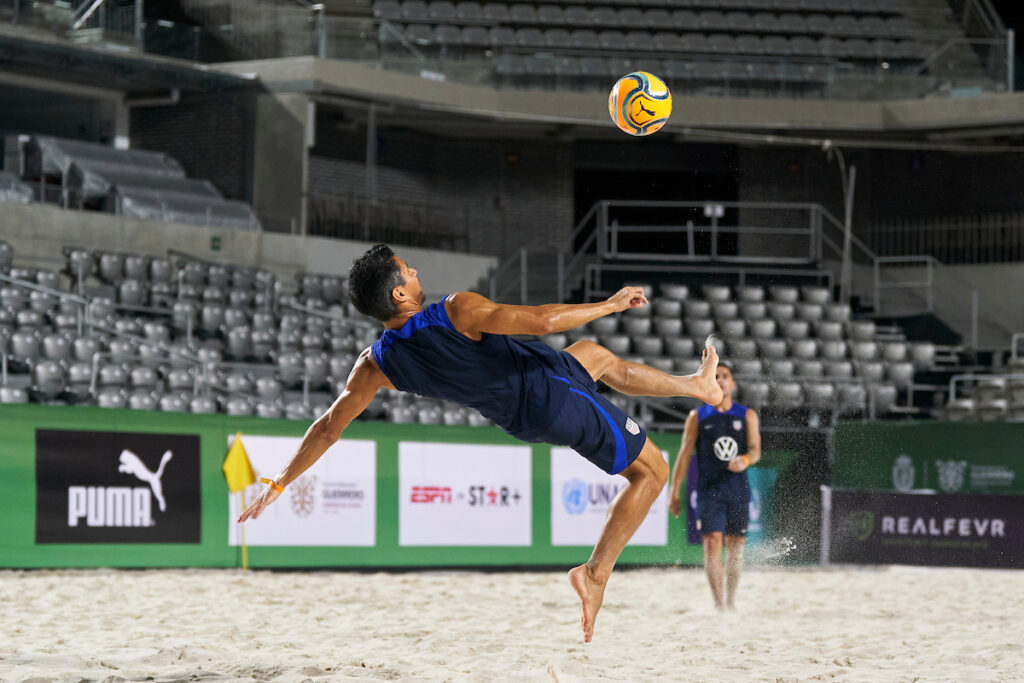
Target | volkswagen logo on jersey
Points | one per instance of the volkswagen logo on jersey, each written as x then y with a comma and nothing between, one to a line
725,448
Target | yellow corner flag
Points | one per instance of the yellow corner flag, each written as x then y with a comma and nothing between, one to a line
237,468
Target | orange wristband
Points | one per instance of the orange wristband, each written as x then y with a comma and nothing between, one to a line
273,484
746,459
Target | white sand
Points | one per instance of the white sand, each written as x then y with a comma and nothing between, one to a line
897,624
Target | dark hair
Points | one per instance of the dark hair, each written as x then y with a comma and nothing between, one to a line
370,282
727,366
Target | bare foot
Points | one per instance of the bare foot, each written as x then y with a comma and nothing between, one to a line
591,593
708,391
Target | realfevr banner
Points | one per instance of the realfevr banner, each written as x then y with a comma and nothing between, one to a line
580,495
333,503
116,487
877,527
464,494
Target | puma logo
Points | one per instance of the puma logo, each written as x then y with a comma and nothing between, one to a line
132,464
645,109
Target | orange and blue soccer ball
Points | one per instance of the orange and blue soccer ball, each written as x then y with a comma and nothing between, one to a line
639,103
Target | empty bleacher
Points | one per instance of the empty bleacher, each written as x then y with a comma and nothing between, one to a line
745,46
127,182
791,348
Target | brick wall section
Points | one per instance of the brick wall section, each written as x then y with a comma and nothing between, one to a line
210,135
508,194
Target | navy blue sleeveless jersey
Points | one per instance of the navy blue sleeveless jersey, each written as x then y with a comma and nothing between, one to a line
530,390
720,438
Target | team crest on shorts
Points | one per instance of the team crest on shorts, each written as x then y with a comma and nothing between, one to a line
632,427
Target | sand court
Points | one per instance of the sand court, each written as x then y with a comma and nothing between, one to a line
888,624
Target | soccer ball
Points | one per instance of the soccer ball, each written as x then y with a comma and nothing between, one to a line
639,103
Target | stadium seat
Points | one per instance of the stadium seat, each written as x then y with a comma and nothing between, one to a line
820,395
852,399
960,409
788,396
695,308
754,394
810,368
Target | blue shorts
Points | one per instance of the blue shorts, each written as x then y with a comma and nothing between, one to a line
592,425
717,513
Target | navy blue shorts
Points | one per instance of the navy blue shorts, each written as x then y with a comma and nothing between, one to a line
592,425
728,515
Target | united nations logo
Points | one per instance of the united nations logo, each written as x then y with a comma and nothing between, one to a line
951,474
862,524
903,473
726,448
574,496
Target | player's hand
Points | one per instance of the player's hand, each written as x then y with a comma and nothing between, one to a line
675,505
268,496
738,464
628,297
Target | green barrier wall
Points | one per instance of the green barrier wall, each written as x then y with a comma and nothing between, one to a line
942,456
18,547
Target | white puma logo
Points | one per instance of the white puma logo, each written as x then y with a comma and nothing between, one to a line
131,464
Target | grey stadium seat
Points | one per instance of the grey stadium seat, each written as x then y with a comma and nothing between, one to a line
763,329
894,351
959,410
820,395
675,291
668,327
699,328
852,399
725,310
742,348
900,374
810,368
754,393
781,311
780,368
696,308
833,349
747,368
829,330
716,293
667,308
680,347
788,395
796,329
773,348
784,294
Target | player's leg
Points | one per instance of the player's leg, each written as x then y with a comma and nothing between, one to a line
637,379
646,478
713,565
733,567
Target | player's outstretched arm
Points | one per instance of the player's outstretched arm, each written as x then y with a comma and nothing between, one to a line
473,314
682,463
363,382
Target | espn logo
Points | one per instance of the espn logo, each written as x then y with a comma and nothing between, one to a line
431,494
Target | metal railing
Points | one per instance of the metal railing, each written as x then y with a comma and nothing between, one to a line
515,268
1015,343
978,238
883,265
972,377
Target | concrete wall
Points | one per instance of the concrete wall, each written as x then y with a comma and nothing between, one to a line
505,194
39,233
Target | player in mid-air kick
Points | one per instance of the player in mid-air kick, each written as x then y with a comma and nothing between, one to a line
459,349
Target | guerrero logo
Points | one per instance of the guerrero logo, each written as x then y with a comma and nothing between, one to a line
110,487
725,448
903,473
